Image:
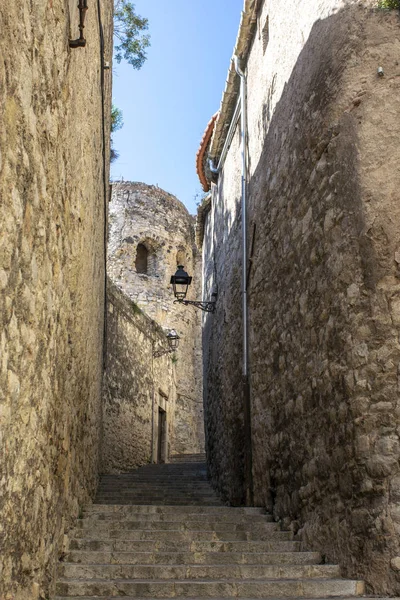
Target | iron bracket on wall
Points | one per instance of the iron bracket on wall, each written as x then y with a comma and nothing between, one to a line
80,42
205,306
158,353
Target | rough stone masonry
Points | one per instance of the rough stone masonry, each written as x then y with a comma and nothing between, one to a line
324,284
137,386
52,253
145,216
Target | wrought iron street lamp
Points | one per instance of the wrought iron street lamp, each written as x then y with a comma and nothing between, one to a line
180,283
173,343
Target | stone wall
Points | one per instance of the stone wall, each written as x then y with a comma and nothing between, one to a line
51,280
136,386
147,215
323,288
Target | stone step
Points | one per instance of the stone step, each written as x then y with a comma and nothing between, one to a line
105,525
154,495
182,482
116,545
141,488
114,532
183,572
166,509
219,598
162,532
155,502
190,485
225,588
155,478
177,458
152,499
177,477
141,491
175,517
175,558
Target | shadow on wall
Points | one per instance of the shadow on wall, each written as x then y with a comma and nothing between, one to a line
323,288
222,352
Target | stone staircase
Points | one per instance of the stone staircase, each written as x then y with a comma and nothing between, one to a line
161,532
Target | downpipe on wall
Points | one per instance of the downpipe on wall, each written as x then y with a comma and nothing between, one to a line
248,462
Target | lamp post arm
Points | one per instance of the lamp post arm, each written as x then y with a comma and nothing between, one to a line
204,306
158,353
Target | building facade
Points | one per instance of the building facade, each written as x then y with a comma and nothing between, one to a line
150,233
312,432
55,103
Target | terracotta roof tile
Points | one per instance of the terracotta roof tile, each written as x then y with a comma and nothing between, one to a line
200,156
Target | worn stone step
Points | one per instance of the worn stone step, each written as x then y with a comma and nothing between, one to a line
226,588
105,525
173,558
140,490
155,572
148,501
180,510
158,482
117,545
219,598
200,479
137,489
199,475
141,486
173,501
173,479
201,484
155,494
115,532
176,458
176,517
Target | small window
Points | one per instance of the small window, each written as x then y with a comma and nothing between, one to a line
141,259
265,34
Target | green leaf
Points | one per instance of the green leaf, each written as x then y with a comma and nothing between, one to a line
130,41
392,4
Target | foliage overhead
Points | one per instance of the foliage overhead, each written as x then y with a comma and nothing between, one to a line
389,4
116,118
116,123
130,41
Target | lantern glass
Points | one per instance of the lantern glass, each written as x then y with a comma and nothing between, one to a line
180,283
173,339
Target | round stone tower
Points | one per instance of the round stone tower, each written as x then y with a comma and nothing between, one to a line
150,233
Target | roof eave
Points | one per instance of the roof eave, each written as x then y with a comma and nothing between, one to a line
244,39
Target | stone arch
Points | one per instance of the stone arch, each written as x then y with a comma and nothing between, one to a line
148,261
142,259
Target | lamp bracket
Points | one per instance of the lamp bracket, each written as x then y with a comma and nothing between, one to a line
158,353
81,41
204,306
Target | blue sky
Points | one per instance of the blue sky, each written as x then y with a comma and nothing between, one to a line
168,103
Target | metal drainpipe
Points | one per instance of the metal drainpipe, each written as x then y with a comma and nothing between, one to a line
246,383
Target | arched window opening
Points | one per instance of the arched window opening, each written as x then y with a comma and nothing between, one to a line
141,259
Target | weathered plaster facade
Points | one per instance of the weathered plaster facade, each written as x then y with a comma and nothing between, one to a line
148,216
52,252
323,284
139,389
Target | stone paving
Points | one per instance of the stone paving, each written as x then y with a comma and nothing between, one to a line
162,532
